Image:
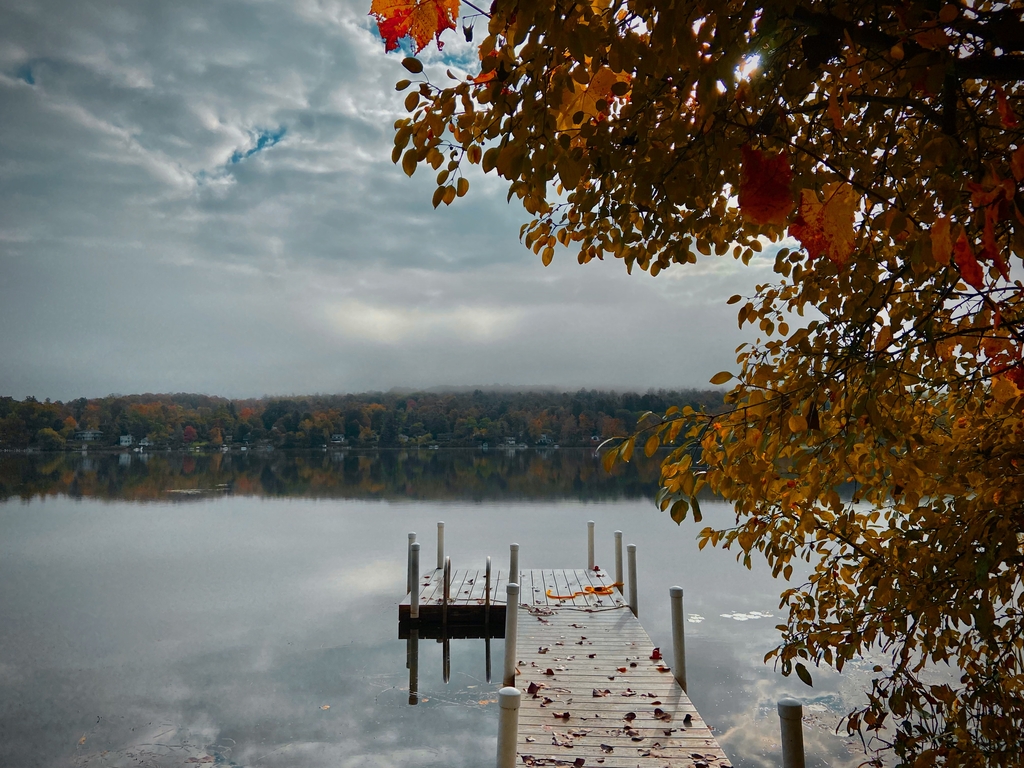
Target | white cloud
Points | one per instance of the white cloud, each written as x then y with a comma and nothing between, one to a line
137,257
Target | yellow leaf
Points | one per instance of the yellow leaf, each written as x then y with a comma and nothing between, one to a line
797,424
721,377
651,445
583,102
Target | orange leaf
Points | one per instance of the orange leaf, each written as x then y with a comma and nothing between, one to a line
942,245
1006,114
419,19
826,228
966,262
990,249
1017,163
485,77
765,196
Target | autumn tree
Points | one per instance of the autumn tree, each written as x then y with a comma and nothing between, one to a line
874,153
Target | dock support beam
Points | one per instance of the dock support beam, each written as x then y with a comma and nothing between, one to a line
513,563
508,726
440,546
511,629
414,666
413,579
414,594
631,558
678,640
590,545
792,720
618,560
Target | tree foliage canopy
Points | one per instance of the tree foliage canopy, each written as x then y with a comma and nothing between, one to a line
876,150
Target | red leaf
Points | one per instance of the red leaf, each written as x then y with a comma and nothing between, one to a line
826,228
656,654
764,195
419,19
966,262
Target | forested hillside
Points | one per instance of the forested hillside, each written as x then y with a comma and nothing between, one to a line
391,419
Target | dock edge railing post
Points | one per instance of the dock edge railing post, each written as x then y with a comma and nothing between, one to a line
631,558
447,576
678,640
590,545
513,563
414,595
511,630
791,718
440,546
487,592
413,579
618,560
508,726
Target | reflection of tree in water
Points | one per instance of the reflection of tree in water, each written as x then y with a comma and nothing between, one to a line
425,475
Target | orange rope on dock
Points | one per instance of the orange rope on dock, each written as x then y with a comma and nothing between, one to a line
588,590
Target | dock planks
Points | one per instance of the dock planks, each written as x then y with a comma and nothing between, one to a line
594,664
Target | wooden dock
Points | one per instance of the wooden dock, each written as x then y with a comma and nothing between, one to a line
595,691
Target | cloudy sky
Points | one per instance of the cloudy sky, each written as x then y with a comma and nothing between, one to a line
199,196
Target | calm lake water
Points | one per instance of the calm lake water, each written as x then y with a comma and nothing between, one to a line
241,610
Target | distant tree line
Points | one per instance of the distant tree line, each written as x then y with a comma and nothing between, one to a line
375,419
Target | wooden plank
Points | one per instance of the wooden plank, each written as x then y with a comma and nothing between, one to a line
622,708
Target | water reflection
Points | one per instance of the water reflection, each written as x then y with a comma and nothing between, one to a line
417,475
262,631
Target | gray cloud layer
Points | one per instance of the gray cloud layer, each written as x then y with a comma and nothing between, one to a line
200,197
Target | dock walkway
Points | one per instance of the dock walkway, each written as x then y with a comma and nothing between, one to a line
595,691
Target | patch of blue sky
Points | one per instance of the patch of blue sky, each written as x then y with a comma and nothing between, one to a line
265,139
24,74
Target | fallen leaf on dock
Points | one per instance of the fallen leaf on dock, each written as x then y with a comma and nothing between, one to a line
656,654
326,706
601,694
560,715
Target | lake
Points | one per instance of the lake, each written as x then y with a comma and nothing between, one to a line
241,609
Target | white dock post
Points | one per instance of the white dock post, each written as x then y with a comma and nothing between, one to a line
513,563
590,545
508,726
414,594
511,629
447,587
792,721
414,578
618,560
678,641
631,558
440,546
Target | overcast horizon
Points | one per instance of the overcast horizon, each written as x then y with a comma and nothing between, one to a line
200,198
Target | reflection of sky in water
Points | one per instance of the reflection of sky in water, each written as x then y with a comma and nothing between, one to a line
172,633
